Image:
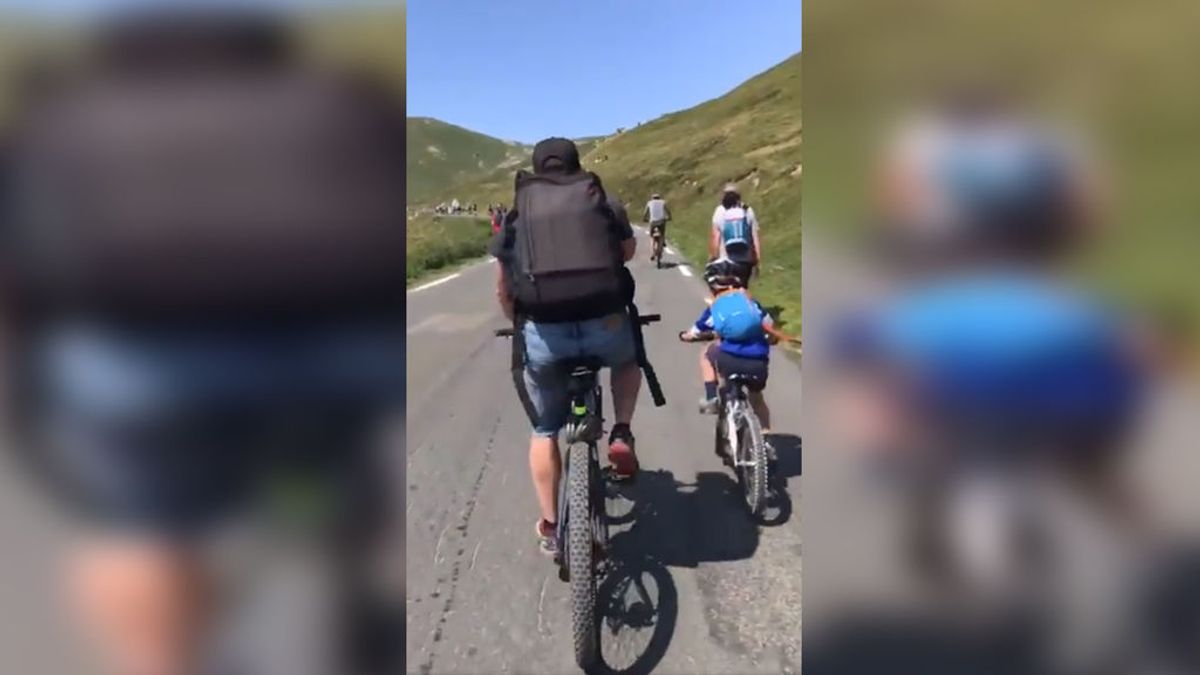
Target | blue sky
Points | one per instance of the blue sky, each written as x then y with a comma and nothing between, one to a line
526,69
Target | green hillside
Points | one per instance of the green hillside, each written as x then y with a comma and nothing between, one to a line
750,135
442,156
1120,77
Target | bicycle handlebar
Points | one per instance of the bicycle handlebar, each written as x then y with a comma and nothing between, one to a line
643,319
706,336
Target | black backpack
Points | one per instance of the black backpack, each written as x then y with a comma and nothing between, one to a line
253,192
565,262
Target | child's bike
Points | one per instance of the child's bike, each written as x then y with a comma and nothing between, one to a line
739,438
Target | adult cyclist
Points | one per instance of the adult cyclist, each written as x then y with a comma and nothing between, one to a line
657,214
735,232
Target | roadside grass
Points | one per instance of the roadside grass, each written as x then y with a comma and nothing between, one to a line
438,242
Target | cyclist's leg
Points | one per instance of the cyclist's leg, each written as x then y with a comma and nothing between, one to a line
708,363
758,399
143,602
708,377
611,340
547,388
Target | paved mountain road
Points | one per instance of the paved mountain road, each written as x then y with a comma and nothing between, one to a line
699,588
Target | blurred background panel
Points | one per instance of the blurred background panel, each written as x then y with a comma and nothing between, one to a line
269,564
924,552
1118,75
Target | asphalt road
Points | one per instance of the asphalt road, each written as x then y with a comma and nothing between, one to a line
699,588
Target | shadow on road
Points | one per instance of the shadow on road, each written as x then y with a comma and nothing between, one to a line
875,644
779,502
674,524
671,264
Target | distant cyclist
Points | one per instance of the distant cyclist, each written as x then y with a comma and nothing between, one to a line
657,214
735,233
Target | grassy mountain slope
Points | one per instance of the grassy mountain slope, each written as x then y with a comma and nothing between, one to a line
750,135
442,155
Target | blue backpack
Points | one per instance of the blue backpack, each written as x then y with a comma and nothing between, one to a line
736,233
736,318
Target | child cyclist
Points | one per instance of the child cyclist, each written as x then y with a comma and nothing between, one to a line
744,332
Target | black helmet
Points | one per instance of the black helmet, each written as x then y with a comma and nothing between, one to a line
725,273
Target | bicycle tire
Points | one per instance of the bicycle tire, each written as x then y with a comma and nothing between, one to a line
585,627
753,477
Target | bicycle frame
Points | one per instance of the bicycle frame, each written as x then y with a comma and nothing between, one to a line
735,404
583,427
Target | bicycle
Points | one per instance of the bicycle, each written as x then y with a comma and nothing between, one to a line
582,492
738,437
657,243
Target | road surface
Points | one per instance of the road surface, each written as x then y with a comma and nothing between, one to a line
700,589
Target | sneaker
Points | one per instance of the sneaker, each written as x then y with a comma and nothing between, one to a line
620,451
709,406
547,535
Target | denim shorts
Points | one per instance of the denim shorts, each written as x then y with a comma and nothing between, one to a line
609,339
165,432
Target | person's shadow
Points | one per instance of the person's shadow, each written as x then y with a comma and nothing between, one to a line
674,524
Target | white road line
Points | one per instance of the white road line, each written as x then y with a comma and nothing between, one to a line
437,282
684,270
669,250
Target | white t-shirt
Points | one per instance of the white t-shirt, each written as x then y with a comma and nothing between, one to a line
657,209
721,214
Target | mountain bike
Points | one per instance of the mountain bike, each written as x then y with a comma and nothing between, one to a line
738,437
582,522
657,243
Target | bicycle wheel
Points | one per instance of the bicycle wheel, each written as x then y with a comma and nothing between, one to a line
752,462
580,563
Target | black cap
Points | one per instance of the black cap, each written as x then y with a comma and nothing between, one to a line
555,155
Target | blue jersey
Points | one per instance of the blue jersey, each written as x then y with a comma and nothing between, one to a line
756,348
1003,346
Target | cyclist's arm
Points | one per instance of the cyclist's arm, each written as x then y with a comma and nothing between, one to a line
503,293
714,234
701,326
774,335
753,218
646,214
667,211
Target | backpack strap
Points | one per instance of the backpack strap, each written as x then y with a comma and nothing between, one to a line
639,343
518,369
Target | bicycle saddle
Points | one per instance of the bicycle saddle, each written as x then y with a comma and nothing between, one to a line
584,366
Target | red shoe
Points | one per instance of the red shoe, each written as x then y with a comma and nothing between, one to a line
620,452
